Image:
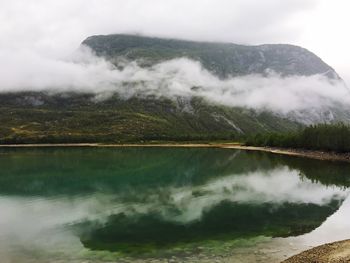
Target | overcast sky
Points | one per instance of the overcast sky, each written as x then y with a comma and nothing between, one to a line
55,28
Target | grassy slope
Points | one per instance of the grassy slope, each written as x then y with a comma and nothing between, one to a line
39,118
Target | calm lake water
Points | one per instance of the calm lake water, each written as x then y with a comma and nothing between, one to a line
135,204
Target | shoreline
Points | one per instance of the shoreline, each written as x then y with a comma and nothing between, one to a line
319,155
311,154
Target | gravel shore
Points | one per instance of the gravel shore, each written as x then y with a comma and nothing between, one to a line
337,252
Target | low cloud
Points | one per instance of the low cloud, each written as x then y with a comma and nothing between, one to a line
182,77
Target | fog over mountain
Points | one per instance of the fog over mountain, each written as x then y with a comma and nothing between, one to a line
280,78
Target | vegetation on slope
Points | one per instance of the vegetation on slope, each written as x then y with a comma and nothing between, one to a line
327,137
38,117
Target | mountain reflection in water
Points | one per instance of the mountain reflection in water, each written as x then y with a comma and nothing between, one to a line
133,200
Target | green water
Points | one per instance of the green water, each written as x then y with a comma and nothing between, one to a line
106,204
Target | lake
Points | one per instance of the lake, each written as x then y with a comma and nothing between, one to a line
159,204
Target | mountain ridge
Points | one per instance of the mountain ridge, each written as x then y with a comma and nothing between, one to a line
222,59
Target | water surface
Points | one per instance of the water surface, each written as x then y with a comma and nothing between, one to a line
114,204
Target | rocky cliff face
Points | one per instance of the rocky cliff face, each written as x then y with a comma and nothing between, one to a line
222,59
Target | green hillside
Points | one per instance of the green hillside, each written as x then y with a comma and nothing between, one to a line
31,117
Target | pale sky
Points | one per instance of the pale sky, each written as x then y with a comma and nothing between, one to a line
54,28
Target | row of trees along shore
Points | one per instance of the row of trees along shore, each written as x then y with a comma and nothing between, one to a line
325,137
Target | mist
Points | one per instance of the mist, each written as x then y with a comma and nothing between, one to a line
82,71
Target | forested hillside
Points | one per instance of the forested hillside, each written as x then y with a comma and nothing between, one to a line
326,137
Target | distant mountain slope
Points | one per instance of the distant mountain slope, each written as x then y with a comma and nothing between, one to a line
223,59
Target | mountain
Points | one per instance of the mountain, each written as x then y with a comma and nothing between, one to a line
36,117
222,59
